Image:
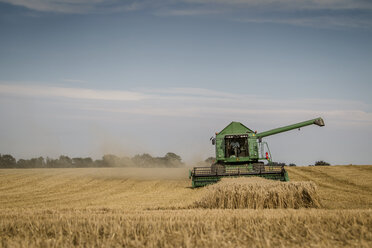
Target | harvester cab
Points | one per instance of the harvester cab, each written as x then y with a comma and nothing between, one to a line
241,152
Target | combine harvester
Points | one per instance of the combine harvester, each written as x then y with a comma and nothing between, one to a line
238,154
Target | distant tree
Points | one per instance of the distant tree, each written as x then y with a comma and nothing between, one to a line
22,163
292,165
36,162
31,163
51,163
110,160
61,162
172,157
126,162
172,160
98,163
65,161
321,163
78,162
82,162
7,161
144,160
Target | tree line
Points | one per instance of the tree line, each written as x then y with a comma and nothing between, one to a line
109,160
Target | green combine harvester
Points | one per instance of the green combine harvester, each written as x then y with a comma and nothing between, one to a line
239,153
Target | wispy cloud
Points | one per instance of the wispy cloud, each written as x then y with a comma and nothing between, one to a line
75,93
198,103
315,21
188,12
290,4
69,80
336,117
189,92
314,13
77,6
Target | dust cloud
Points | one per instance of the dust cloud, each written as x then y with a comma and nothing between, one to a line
133,173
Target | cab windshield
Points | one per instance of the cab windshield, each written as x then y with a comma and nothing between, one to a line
236,146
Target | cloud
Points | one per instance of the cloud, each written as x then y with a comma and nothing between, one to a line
315,21
305,13
76,6
75,93
69,80
336,117
197,103
291,4
308,13
189,91
188,12
192,7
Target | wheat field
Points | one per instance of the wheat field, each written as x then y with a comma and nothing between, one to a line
122,207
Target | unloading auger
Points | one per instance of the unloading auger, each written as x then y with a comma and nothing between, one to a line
240,151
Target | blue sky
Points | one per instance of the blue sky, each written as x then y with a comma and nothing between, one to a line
84,78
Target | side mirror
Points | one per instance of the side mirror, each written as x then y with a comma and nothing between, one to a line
213,140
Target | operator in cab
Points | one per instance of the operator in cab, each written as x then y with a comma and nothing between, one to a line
235,147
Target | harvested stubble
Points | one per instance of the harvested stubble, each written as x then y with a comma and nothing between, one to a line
259,193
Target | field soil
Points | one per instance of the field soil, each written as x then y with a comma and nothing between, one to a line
135,207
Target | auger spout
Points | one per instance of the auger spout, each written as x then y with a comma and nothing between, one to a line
318,121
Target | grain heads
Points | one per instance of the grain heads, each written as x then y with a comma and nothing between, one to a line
258,193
